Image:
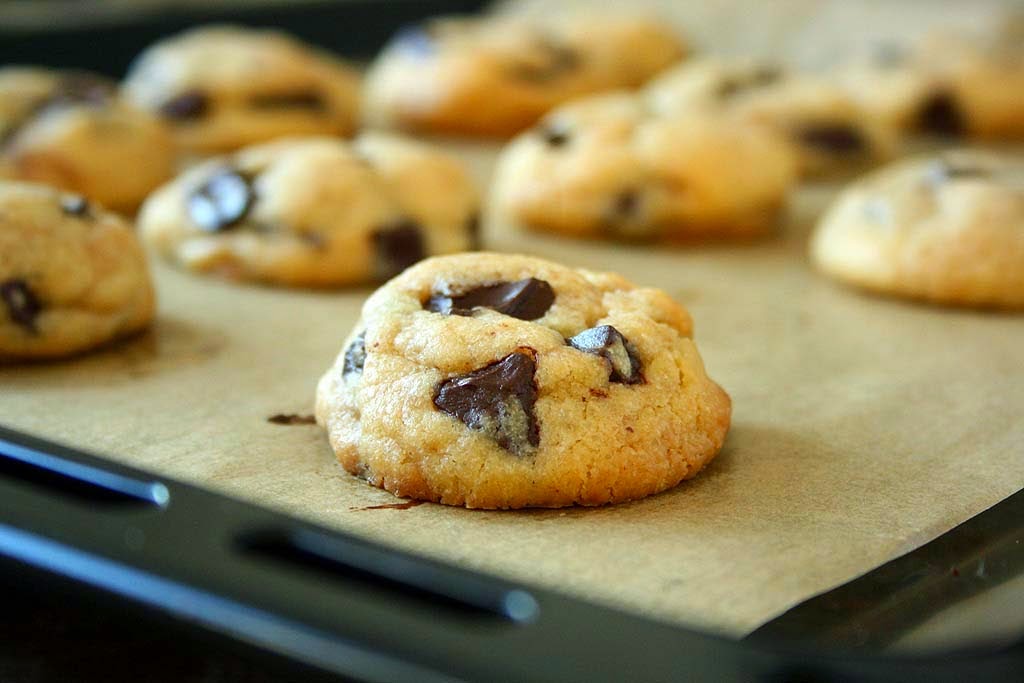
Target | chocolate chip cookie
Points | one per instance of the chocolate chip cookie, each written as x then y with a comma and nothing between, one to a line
314,211
946,85
830,132
497,76
501,381
70,129
72,275
948,229
223,87
608,166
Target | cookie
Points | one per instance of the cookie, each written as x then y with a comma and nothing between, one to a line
983,79
607,166
830,132
314,211
891,85
949,85
70,129
497,76
223,87
947,229
72,275
501,381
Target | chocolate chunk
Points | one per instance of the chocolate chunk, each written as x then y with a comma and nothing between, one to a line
303,99
222,201
355,355
836,138
608,343
554,135
941,115
527,299
398,246
497,400
415,40
555,60
75,205
23,306
186,106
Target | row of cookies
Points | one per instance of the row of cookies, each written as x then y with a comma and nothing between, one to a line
518,381
311,211
217,89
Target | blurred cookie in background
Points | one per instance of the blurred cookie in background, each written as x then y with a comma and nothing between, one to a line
314,212
830,132
947,229
72,274
70,129
608,166
223,87
948,84
496,76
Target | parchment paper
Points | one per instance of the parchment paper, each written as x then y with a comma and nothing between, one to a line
863,427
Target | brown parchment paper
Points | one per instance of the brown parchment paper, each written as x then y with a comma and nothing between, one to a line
862,428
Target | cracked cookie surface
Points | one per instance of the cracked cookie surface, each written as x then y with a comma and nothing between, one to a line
948,229
70,129
595,394
72,275
497,76
220,88
315,211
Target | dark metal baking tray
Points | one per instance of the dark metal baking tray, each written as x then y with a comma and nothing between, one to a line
336,603
307,603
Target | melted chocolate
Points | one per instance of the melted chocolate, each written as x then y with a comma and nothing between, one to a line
497,400
941,115
355,356
608,343
526,299
186,106
834,138
23,306
222,201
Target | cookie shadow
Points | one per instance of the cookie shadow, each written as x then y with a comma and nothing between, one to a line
168,344
753,472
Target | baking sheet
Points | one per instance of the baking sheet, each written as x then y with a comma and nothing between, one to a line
863,427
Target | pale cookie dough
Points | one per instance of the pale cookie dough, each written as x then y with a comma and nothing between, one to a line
500,381
315,212
72,275
607,166
948,229
497,76
828,129
224,87
70,129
